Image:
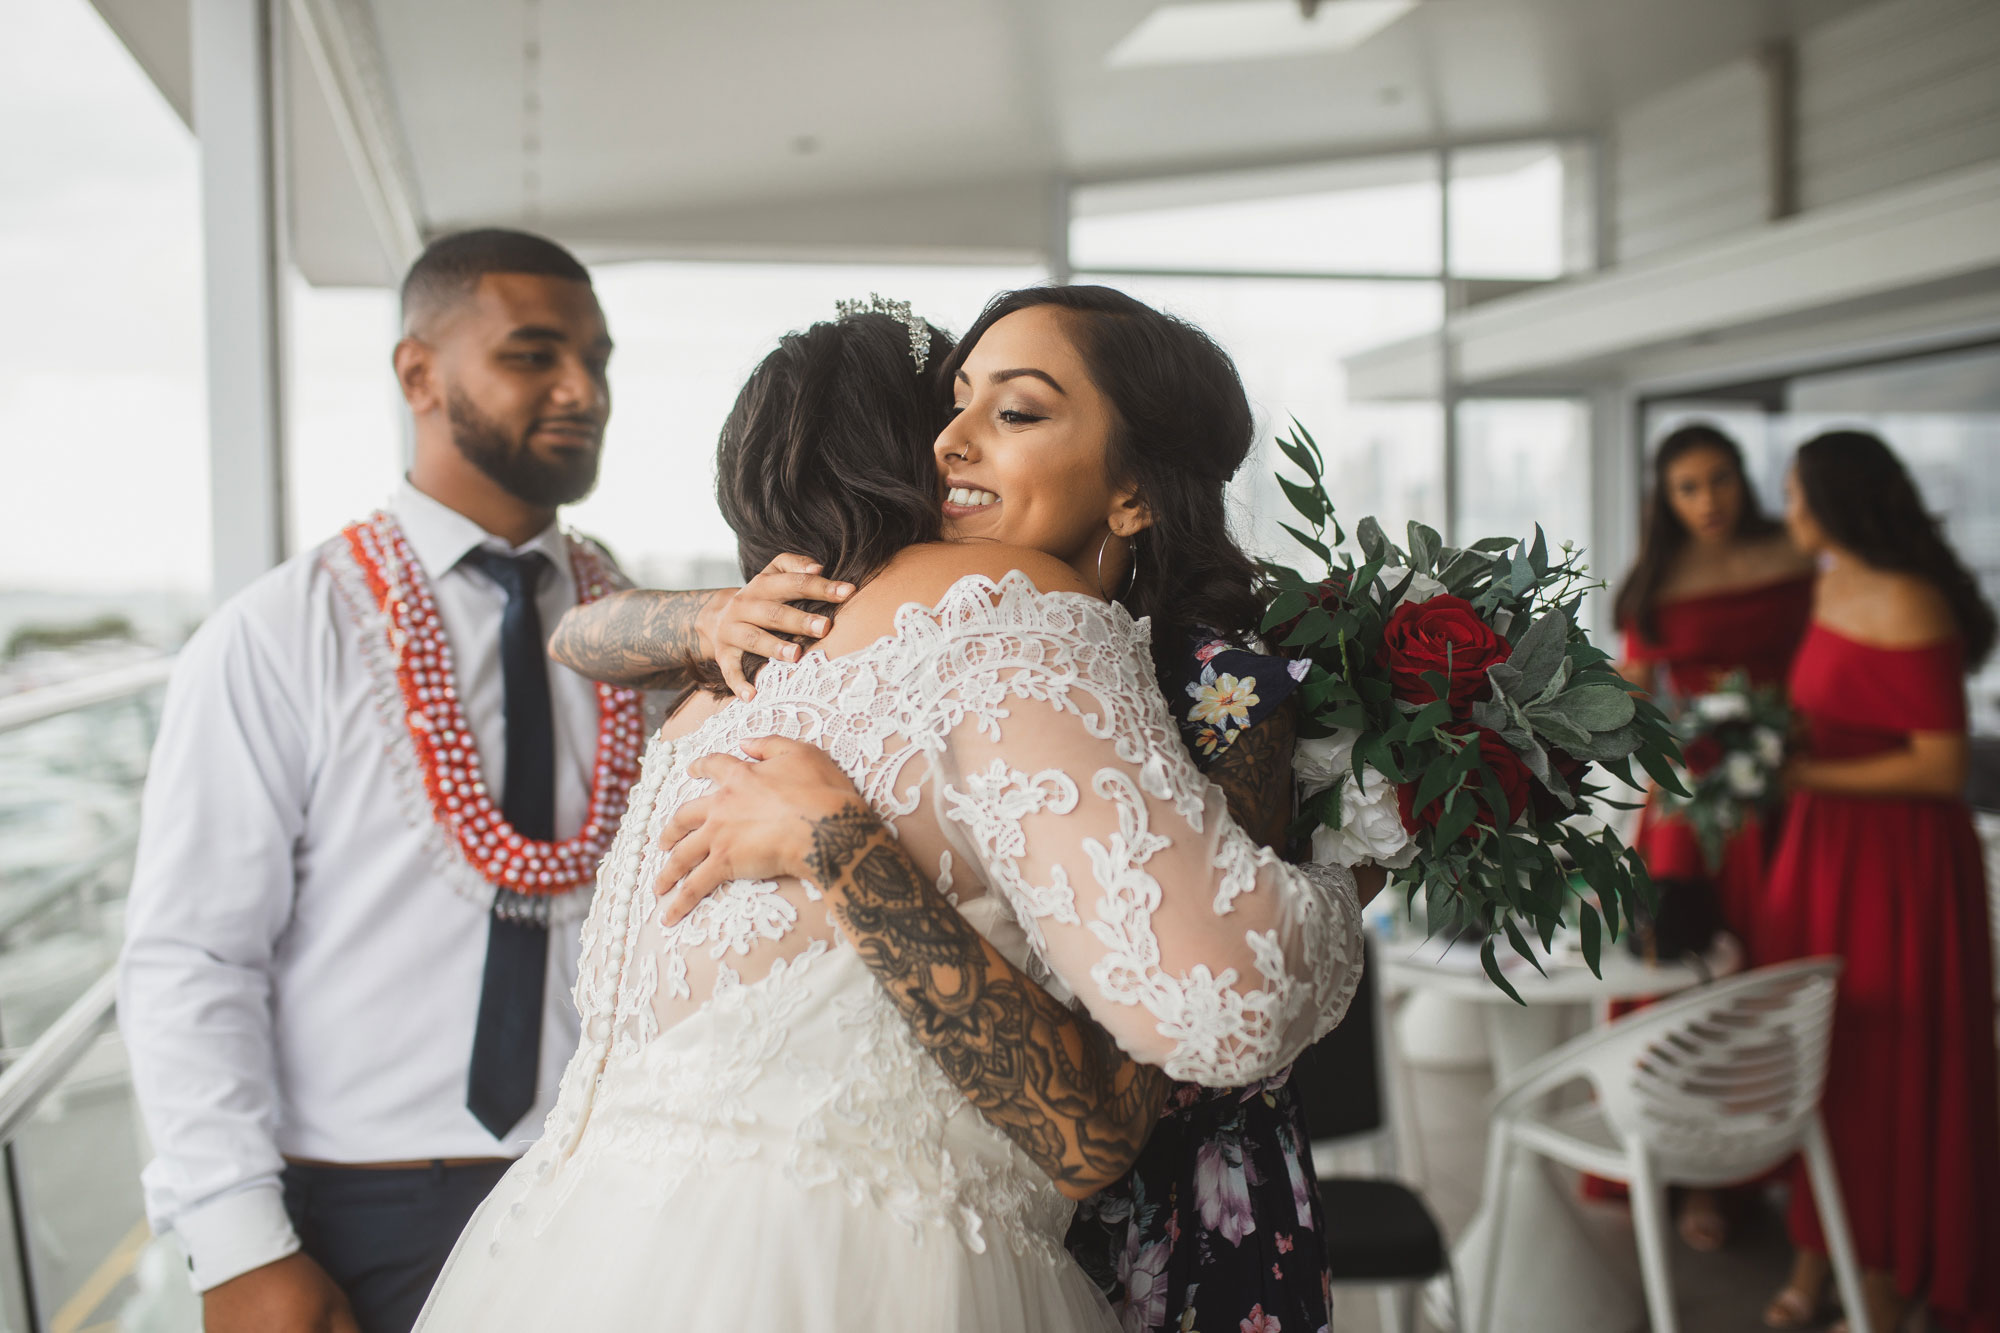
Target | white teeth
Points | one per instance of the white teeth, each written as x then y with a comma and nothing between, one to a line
966,495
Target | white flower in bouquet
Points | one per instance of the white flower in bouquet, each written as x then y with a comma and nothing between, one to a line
1422,586
1318,762
1769,746
1727,706
1371,827
1744,775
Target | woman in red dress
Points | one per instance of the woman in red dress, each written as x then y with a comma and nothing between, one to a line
1717,590
1880,866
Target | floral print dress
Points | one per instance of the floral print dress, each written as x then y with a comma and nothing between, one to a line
1217,1227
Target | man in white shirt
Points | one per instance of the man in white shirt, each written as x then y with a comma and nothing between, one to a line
370,828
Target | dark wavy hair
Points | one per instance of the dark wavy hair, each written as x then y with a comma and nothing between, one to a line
1182,428
828,450
1862,495
1663,536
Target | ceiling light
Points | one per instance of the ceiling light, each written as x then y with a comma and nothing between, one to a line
1214,30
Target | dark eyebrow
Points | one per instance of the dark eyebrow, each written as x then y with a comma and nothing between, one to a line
1002,376
542,333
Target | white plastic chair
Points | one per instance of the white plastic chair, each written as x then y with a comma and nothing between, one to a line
1709,1088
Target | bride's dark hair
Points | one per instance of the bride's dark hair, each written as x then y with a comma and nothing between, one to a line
1183,428
828,452
828,449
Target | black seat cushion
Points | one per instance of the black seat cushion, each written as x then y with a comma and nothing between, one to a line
1379,1231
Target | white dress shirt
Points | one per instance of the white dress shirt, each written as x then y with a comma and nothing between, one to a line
298,979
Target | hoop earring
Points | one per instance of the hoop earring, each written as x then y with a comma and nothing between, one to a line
1132,577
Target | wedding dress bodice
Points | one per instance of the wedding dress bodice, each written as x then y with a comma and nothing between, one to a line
1017,745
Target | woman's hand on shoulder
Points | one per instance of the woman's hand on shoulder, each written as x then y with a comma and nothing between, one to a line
750,619
757,823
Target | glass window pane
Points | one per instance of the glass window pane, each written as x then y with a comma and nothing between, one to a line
1508,212
345,421
1287,337
101,354
1378,215
688,334
1523,461
1941,414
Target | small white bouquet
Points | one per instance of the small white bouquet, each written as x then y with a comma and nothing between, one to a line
1733,740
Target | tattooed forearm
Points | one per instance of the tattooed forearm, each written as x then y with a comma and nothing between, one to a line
1255,773
1050,1079
643,639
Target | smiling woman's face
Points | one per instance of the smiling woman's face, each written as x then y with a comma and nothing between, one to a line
1023,459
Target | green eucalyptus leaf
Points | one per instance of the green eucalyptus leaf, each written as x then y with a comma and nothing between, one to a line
1593,943
1494,975
1374,542
1313,544
1594,707
1460,810
1493,545
1558,728
1538,556
1284,606
1506,679
1424,547
1520,575
1520,943
1539,653
1310,501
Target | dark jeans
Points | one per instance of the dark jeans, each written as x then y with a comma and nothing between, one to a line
383,1236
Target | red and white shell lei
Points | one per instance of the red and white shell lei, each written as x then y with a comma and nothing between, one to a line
527,872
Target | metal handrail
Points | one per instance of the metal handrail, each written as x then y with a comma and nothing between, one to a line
29,1080
102,687
42,898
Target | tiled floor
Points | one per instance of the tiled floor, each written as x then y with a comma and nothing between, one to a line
1716,1293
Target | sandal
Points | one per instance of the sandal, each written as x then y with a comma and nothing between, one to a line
1792,1307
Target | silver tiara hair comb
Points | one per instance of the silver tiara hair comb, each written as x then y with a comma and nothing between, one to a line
920,333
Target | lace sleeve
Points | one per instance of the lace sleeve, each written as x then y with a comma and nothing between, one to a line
1058,771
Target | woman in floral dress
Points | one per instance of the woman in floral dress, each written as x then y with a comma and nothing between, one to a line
1217,1226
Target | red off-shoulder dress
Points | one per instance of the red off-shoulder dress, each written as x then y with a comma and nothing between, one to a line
1702,642
1896,887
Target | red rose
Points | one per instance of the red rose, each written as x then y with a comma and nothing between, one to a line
1516,782
1444,635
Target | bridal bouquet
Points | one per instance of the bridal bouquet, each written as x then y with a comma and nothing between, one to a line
1453,711
1734,742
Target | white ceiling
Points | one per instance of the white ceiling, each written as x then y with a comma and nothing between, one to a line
916,128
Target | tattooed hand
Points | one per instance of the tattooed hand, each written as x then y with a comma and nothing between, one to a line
641,638
1050,1079
650,639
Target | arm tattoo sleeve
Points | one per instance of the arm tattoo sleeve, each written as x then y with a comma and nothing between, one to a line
1255,773
1050,1079
642,638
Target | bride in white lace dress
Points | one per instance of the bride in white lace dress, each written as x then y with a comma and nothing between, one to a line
750,1135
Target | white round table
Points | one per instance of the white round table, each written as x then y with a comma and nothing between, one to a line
1555,1280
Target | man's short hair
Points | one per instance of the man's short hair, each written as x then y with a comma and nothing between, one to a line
450,267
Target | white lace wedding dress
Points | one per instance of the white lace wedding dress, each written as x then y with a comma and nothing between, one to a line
749,1138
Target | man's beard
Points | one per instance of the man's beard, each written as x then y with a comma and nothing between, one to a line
517,469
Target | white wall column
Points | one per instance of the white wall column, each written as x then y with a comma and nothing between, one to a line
236,98
1617,477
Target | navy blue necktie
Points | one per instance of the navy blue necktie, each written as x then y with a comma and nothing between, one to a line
507,1043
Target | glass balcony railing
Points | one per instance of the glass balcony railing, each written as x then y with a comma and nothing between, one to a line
76,1255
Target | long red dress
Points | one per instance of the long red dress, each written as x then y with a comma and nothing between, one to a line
1896,887
1702,641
